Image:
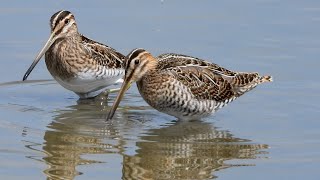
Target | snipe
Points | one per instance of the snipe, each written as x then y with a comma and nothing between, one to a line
183,86
76,62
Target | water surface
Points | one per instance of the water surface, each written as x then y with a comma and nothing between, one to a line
269,133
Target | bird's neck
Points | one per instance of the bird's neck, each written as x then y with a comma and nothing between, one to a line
152,63
74,37
60,56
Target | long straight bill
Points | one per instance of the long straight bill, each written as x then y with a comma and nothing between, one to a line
125,86
41,53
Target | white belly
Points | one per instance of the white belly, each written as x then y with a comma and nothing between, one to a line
88,86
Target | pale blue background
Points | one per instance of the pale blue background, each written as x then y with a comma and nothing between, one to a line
274,37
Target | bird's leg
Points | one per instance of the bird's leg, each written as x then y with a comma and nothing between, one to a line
105,94
113,90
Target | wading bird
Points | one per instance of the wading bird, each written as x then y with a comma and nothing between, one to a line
76,62
183,86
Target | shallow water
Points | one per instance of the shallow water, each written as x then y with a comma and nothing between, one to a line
269,133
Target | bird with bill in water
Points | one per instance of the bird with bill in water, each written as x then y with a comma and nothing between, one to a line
186,87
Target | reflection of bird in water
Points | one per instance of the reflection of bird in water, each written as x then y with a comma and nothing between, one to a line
77,63
179,150
74,132
187,150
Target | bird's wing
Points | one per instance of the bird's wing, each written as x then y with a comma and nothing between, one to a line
176,60
203,83
207,80
103,54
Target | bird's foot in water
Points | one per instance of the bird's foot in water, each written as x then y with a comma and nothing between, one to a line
103,96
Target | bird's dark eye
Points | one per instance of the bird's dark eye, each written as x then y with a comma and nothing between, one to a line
66,21
137,61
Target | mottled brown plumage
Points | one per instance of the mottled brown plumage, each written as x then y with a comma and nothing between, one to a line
183,86
76,62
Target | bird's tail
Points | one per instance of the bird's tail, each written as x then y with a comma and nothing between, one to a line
253,80
263,79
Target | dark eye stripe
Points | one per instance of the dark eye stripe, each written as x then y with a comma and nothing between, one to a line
132,55
143,65
57,17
